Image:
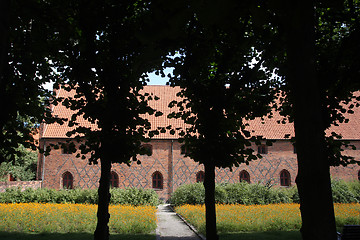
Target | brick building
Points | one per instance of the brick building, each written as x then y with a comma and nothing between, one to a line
167,168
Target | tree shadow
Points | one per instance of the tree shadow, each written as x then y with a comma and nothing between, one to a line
68,236
273,235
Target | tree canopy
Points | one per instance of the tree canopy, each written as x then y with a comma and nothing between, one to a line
24,69
103,50
104,55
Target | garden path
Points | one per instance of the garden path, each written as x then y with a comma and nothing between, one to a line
172,227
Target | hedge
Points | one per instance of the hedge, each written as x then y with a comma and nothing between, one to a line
249,194
128,196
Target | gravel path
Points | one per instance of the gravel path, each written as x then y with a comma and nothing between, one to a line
171,227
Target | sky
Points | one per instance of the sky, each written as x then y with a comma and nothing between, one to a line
154,79
158,80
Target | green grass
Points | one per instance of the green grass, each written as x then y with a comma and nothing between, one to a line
277,235
68,236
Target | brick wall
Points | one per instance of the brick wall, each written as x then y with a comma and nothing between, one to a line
176,169
22,184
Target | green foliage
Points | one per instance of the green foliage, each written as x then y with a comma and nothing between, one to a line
244,193
24,68
129,196
250,194
23,167
134,196
188,194
343,192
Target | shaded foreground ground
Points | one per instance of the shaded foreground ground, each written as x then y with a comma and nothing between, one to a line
280,235
68,236
291,235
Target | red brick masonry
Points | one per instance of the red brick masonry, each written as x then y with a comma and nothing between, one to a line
176,169
22,184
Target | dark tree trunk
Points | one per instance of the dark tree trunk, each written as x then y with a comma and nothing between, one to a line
313,179
103,216
210,215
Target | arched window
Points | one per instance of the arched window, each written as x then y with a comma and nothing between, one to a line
244,176
157,180
285,179
200,175
148,149
114,180
68,180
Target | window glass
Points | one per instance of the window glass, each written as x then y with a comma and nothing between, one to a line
65,149
285,178
114,180
157,180
244,176
262,149
67,180
200,176
184,150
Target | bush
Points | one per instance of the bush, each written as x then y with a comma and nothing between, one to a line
188,194
355,189
129,196
342,192
238,193
249,194
134,196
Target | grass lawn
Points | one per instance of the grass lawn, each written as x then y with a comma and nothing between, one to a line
68,236
277,235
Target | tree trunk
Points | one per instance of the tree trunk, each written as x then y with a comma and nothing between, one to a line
210,215
313,179
103,216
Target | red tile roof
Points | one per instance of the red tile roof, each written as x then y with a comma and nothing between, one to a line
268,128
271,128
56,130
350,130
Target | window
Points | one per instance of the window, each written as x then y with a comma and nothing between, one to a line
244,176
200,175
114,180
262,149
65,149
157,180
285,179
148,149
184,150
67,180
